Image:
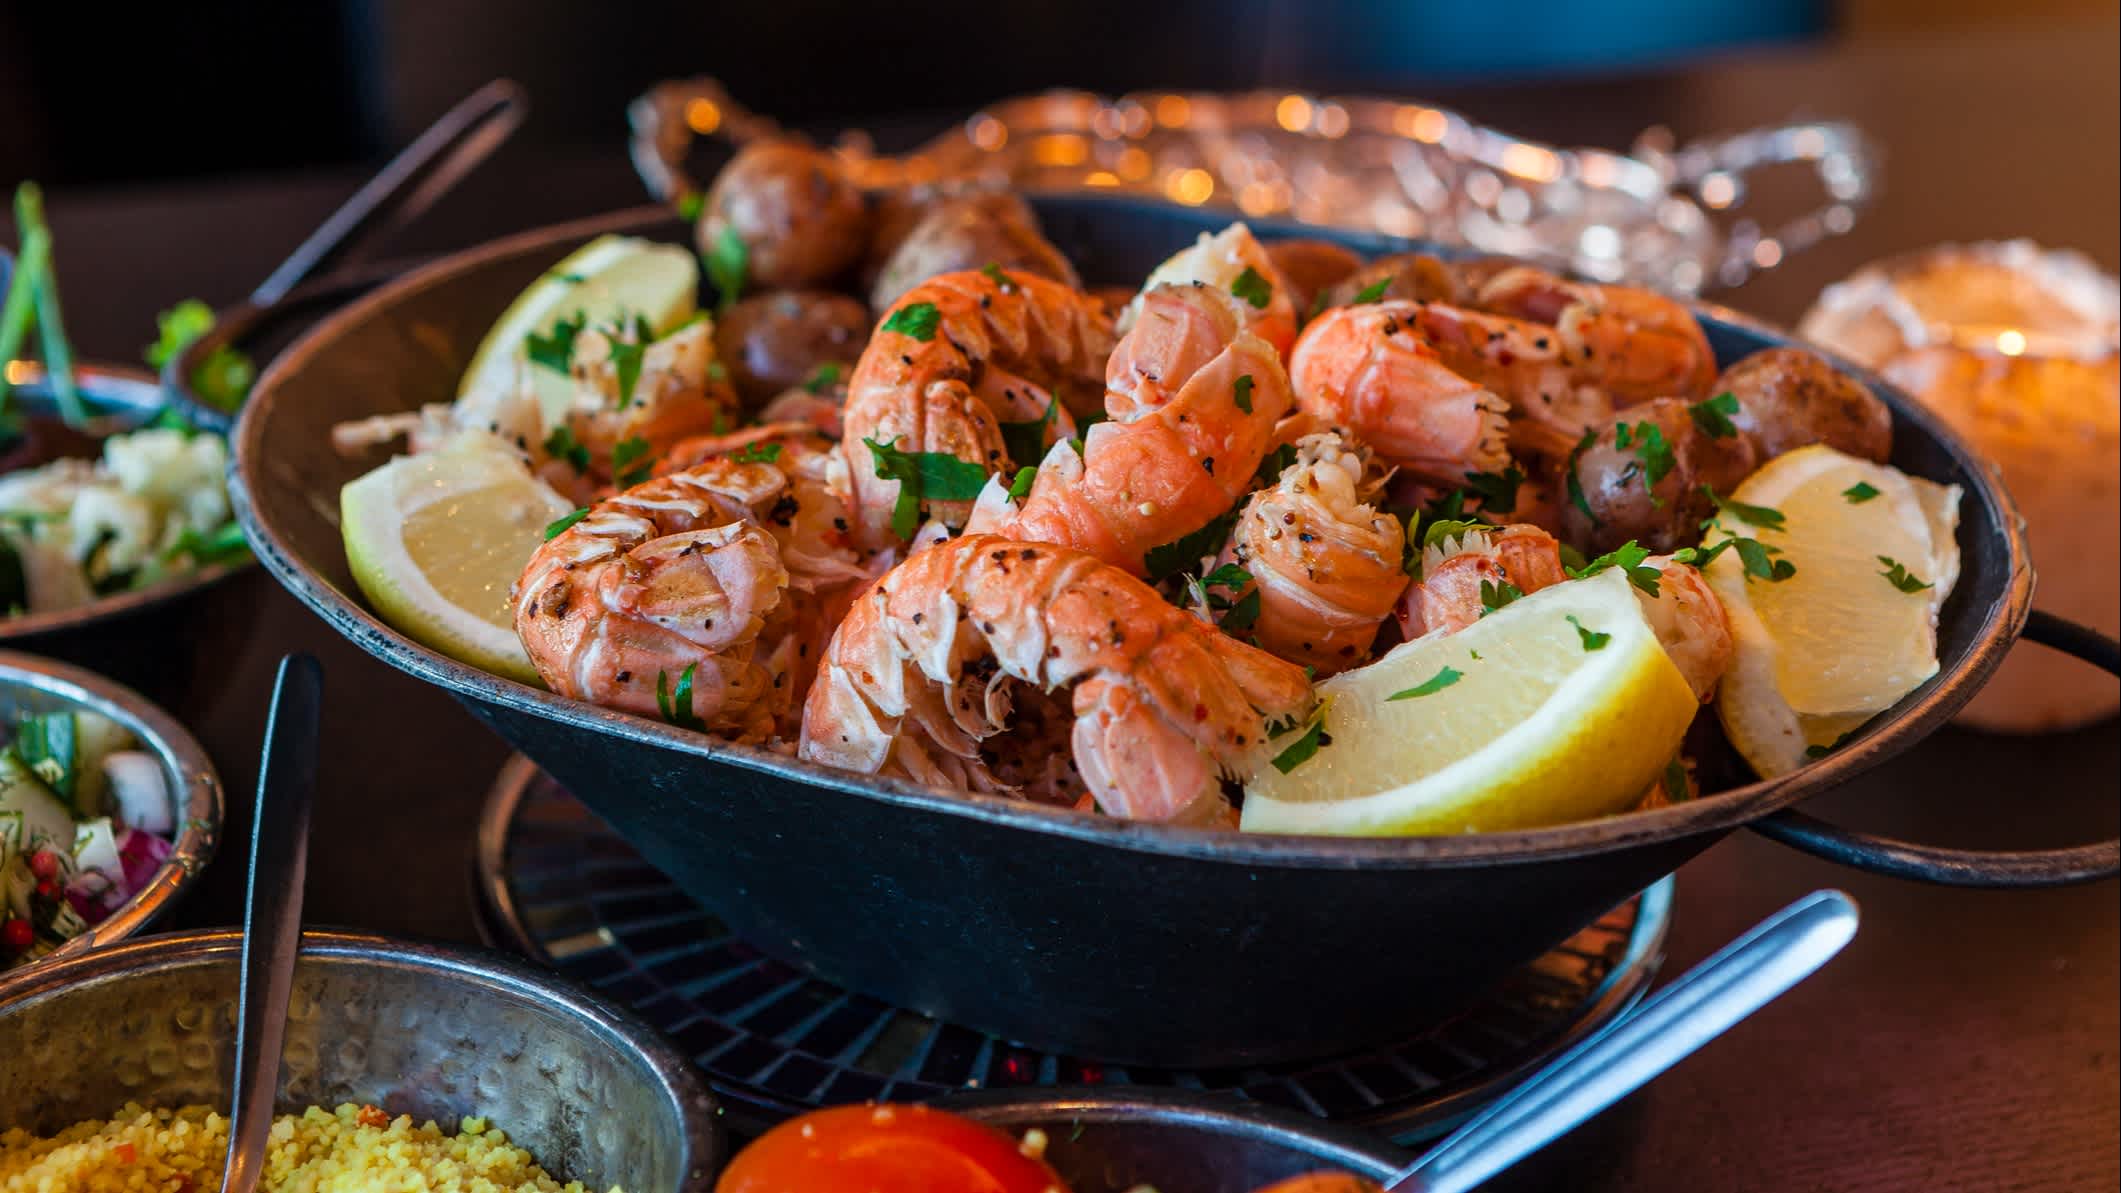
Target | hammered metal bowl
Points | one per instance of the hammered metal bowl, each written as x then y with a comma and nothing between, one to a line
30,685
415,1029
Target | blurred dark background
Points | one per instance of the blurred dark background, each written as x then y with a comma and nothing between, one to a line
95,94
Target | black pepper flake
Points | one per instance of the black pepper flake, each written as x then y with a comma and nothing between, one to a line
623,676
918,618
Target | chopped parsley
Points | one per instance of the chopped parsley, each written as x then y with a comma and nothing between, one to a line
1675,784
757,453
631,462
1859,493
223,379
1430,686
1713,415
1822,751
1168,560
562,445
676,707
1372,292
626,363
1496,594
572,279
1575,483
923,476
1273,464
1303,748
557,528
728,261
1497,490
1242,393
1628,557
1437,531
690,205
916,319
824,377
1001,280
1238,615
1758,559
1751,515
222,544
1026,440
1899,577
555,349
1020,487
1253,288
1592,639
1646,439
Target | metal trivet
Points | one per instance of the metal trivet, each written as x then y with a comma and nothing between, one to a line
558,884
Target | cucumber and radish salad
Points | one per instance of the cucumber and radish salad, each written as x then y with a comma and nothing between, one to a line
86,819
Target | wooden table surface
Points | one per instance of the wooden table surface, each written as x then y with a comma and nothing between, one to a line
1966,1040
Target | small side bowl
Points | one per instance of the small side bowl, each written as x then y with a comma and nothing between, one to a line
434,1032
1112,1141
123,399
29,684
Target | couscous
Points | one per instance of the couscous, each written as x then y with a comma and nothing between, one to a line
354,1149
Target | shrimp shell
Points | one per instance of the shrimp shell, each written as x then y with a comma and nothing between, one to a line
1633,344
1217,261
917,678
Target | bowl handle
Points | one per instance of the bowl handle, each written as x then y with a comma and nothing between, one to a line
1968,867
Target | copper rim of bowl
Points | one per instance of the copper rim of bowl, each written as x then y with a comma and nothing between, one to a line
198,789
684,1093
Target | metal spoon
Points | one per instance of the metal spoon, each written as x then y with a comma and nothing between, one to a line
272,914
1749,973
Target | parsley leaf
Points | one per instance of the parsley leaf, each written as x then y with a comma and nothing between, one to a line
1437,530
1837,743
223,379
1592,639
1429,687
1020,487
923,476
562,445
631,462
555,529
176,328
728,261
1026,440
1318,306
1900,578
1273,463
1253,288
626,362
1227,575
1001,280
1242,614
555,349
824,377
917,319
1675,782
1372,292
1713,415
757,453
1497,490
222,544
1752,515
1174,557
690,205
1303,748
1654,450
1859,493
677,707
1494,595
1575,484
1756,556
1242,392
1628,557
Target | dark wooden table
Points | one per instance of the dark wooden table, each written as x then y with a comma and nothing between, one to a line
1966,1040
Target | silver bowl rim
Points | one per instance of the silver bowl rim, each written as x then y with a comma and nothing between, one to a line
200,802
1914,718
120,388
684,1093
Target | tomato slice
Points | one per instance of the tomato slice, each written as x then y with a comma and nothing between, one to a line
886,1149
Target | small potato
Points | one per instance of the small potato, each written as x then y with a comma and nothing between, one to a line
771,342
1614,475
970,232
1788,398
1418,277
802,222
1310,266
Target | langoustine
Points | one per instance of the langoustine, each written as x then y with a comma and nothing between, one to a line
1231,262
922,677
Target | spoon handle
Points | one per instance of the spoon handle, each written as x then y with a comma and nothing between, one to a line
272,916
1748,974
425,170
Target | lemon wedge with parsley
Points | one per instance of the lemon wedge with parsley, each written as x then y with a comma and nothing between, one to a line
436,542
610,278
1559,706
1869,555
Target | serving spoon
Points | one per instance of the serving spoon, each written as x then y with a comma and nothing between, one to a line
1706,1001
272,914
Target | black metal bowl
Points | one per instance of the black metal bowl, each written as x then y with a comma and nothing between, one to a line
1135,942
1179,1141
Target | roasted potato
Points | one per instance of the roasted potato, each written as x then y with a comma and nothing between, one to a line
1788,398
969,232
802,223
1310,267
770,342
1642,477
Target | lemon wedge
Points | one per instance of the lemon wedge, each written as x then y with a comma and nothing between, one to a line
1853,628
436,542
1559,706
608,278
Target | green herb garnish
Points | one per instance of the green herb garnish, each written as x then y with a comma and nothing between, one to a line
555,349
1020,487
49,745
559,527
1497,490
562,445
222,544
1758,559
1628,557
1859,493
1822,751
1495,594
1899,577
1713,415
1675,784
1026,440
923,476
1303,748
1372,292
1592,639
1575,483
1752,515
626,364
728,261
918,319
1001,280
1429,687
1242,393
1253,288
824,377
1273,464
690,205
1168,560
631,462
677,708
757,453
